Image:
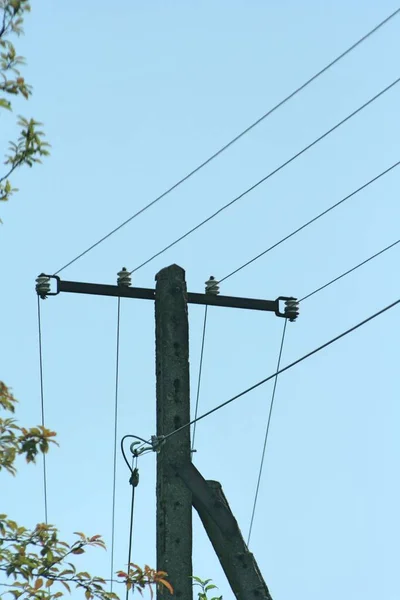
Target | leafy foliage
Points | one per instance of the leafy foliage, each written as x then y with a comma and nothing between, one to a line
36,562
30,145
137,578
16,440
206,587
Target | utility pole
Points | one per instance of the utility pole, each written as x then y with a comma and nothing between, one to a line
174,499
179,484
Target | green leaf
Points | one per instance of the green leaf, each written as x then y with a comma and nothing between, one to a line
5,104
38,583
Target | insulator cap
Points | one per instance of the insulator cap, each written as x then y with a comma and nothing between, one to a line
292,309
42,286
124,278
212,286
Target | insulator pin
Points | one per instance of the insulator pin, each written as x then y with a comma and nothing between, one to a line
212,286
42,286
124,278
291,309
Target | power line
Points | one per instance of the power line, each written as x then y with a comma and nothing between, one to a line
115,444
134,437
134,480
293,233
42,404
266,434
203,337
236,138
349,271
270,174
289,366
276,378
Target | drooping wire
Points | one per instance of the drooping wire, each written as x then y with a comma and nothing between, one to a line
200,372
133,480
266,434
236,138
42,405
268,176
115,443
133,471
349,271
135,437
289,366
293,233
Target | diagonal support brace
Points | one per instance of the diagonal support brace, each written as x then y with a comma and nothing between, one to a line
238,563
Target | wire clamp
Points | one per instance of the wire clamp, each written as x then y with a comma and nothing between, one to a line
212,286
124,278
156,442
136,452
134,478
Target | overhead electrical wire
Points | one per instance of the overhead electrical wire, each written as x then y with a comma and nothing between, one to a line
268,176
42,405
266,434
284,369
115,442
364,262
279,360
133,480
246,264
236,138
133,470
323,213
203,337
135,437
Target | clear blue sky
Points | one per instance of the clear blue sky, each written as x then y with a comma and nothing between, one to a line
133,96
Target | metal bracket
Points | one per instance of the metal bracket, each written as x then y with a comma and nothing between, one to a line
43,285
291,311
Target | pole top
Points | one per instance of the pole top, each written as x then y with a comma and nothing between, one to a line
171,272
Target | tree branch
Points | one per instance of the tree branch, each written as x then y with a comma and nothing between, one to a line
12,169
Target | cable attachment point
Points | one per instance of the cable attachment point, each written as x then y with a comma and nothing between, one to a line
291,309
212,286
124,278
42,286
157,442
136,452
134,478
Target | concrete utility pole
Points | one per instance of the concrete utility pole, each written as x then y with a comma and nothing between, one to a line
174,499
178,481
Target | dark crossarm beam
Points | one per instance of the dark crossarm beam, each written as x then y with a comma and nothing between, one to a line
100,289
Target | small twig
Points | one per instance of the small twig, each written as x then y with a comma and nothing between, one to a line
12,169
